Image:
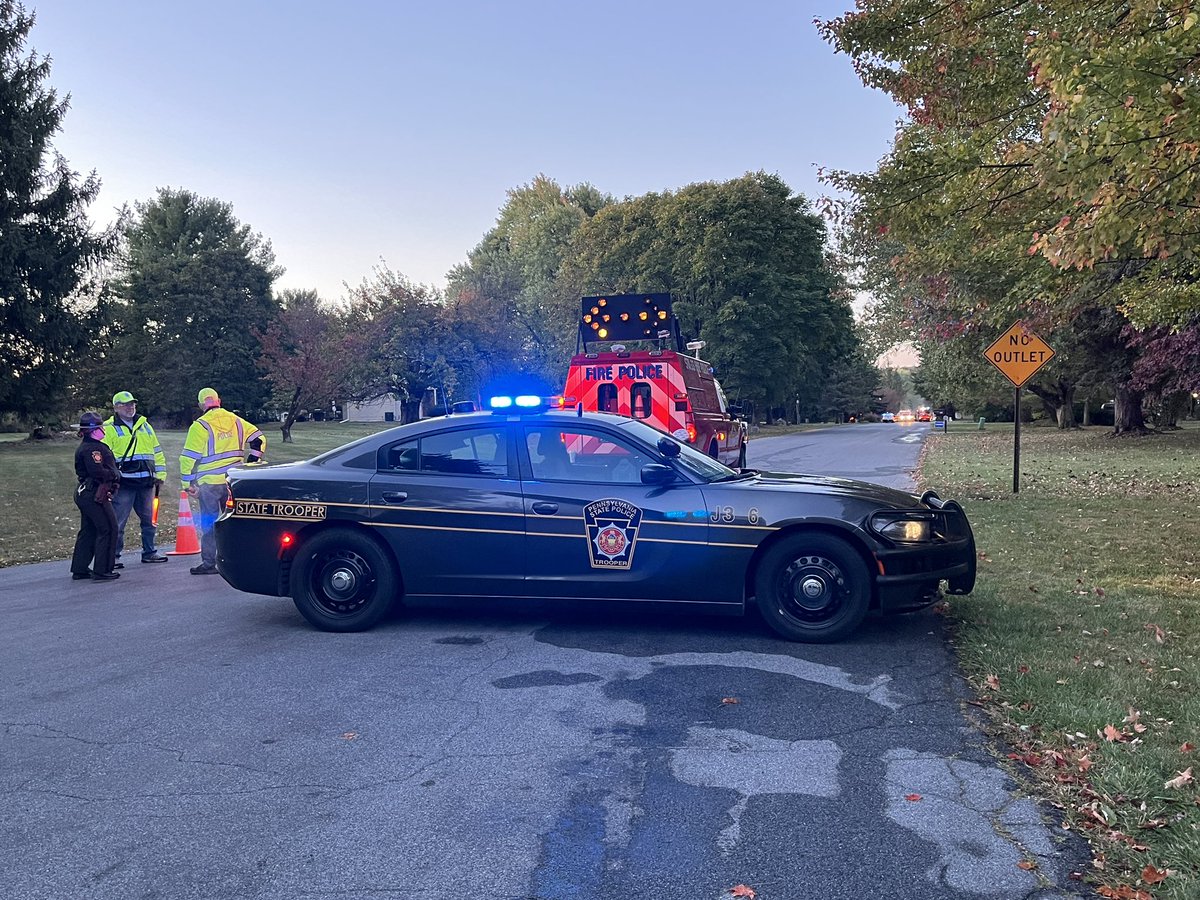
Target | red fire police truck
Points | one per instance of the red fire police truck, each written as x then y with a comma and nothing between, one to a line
657,383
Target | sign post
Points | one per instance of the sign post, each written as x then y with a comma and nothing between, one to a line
1018,354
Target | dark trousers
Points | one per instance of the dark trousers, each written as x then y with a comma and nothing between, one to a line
97,538
136,496
212,499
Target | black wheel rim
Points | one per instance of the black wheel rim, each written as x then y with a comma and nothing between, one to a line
342,582
812,590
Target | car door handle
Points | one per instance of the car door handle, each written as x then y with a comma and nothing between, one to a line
545,509
394,496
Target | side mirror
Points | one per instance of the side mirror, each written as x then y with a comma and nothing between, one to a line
667,448
735,412
657,473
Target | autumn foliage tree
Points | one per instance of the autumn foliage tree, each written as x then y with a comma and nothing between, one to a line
302,355
1048,163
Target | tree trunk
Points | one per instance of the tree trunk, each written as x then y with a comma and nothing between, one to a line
1066,412
289,418
1087,413
1127,412
1058,400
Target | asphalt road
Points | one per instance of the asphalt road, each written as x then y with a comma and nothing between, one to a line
166,737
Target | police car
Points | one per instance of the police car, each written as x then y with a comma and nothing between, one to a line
528,501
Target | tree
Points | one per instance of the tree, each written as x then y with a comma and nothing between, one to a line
513,287
395,342
1006,200
301,356
746,262
50,297
193,293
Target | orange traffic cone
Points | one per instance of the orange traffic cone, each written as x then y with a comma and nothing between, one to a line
186,542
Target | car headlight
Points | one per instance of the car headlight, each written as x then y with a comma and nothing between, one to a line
901,527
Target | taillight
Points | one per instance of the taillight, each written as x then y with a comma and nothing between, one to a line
691,430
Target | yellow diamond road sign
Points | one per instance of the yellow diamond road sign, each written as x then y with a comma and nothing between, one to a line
1018,354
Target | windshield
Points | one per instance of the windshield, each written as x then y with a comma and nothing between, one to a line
690,460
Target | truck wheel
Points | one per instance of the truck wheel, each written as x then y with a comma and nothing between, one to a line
813,588
343,581
742,456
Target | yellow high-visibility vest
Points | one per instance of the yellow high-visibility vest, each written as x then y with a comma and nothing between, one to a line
139,454
216,442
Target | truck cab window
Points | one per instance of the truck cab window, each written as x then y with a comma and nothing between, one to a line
639,400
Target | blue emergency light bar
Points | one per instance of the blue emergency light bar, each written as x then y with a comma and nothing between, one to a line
526,403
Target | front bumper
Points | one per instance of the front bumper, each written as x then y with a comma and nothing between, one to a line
911,575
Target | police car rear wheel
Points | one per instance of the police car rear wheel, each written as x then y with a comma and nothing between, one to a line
343,581
813,588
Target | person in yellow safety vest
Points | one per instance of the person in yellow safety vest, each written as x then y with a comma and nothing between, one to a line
216,442
143,469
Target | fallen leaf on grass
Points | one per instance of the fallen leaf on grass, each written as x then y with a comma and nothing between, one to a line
1160,636
1151,875
912,798
1026,865
993,682
1112,735
1180,780
1187,747
741,890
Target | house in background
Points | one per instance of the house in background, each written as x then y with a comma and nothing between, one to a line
392,408
388,408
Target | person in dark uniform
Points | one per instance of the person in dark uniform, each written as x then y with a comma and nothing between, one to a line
96,467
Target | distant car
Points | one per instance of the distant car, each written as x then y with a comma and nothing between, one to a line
887,417
924,415
543,503
905,415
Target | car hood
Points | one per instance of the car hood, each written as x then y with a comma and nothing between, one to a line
846,487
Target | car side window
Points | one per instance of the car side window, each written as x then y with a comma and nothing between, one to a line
556,454
403,457
472,451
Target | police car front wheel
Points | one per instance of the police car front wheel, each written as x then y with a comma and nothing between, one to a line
813,587
343,581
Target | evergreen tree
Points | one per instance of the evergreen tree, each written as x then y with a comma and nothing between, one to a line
49,254
194,293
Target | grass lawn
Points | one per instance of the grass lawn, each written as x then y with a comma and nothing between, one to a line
37,481
1081,635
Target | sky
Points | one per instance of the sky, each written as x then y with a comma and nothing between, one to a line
366,132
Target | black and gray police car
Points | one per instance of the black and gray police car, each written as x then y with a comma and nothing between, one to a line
528,501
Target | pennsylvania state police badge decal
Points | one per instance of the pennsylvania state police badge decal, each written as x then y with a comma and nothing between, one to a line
612,529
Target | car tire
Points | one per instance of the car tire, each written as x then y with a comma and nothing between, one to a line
343,581
813,588
741,464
